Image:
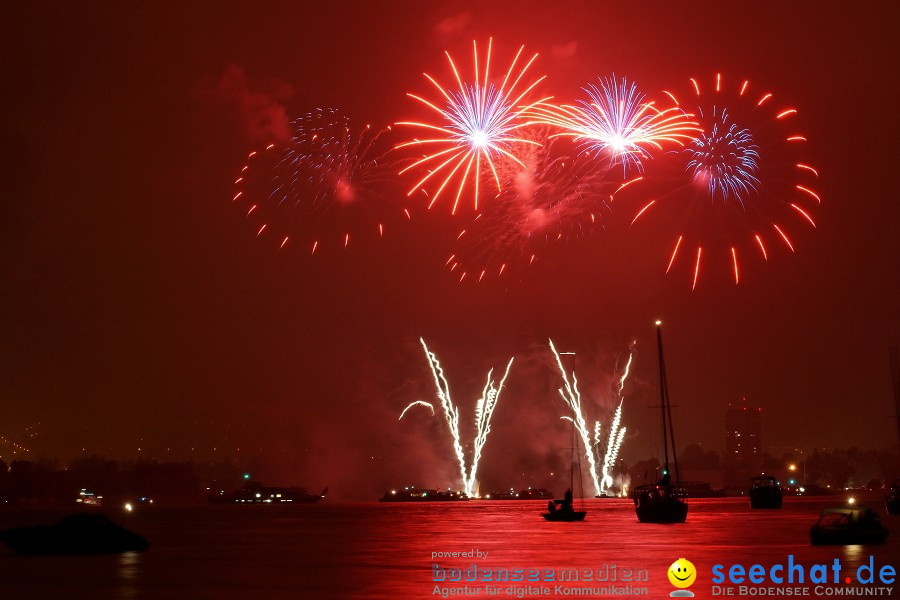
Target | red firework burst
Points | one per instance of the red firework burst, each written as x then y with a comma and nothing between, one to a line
739,186
476,125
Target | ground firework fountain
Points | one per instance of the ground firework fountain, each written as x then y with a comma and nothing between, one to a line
572,397
484,410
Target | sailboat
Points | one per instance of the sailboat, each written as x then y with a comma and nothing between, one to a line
564,510
663,502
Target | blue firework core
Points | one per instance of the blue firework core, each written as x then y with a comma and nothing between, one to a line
725,160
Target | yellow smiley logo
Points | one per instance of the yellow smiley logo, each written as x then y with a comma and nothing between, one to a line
682,573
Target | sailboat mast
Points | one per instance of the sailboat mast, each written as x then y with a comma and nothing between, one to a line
666,405
672,435
662,395
572,465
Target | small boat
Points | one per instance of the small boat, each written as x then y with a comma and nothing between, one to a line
892,500
414,494
81,533
254,492
764,492
563,514
846,526
660,503
665,501
88,498
564,510
529,494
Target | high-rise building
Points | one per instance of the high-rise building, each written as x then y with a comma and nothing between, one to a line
743,432
743,442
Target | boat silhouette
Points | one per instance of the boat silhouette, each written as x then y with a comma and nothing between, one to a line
254,492
566,508
81,533
665,501
764,492
414,494
848,526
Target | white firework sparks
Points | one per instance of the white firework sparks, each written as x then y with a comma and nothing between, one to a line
572,397
616,436
484,411
416,403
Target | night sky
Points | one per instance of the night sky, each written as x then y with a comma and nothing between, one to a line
140,311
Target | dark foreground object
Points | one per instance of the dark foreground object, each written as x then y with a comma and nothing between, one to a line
765,493
660,503
565,516
845,526
81,533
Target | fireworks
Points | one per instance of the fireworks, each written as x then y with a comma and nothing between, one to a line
616,435
722,161
416,403
324,186
477,123
572,397
555,198
484,410
725,160
617,120
739,185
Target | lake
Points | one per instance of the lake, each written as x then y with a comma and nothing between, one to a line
385,550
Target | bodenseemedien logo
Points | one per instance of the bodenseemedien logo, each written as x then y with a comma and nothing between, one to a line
682,574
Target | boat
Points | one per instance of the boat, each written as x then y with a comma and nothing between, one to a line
564,514
892,500
847,526
414,494
529,494
81,533
665,501
564,510
88,498
765,492
256,493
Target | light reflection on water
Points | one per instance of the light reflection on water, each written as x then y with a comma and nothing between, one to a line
385,550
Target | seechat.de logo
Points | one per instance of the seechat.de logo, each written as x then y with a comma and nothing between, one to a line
682,574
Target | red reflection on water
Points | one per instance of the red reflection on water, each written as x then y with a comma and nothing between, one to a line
385,550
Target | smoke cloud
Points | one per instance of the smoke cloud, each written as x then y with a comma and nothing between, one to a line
255,109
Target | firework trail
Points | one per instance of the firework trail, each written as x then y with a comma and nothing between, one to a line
739,185
416,403
484,410
572,397
325,186
617,120
616,435
556,198
476,123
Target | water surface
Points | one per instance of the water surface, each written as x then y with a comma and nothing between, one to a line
385,550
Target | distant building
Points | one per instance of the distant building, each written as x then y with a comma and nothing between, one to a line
743,442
